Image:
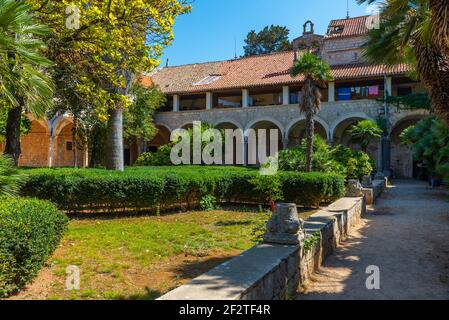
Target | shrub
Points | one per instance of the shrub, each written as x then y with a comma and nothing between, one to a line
356,163
138,189
341,160
10,179
29,232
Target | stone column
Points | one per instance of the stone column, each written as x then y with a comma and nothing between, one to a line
175,103
331,91
285,95
245,98
209,101
389,85
285,227
50,155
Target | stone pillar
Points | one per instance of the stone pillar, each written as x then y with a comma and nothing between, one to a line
209,101
285,95
389,86
50,151
245,151
331,91
386,154
175,103
245,98
285,227
285,143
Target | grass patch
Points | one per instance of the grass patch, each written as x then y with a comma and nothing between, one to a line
144,257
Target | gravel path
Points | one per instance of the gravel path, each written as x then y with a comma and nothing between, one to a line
406,234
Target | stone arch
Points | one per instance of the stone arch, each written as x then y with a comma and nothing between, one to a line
401,157
228,122
161,138
65,152
295,131
35,145
357,116
340,134
253,123
253,145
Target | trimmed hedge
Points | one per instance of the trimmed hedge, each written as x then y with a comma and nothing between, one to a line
30,230
78,190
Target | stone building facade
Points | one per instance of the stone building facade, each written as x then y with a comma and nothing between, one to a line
258,92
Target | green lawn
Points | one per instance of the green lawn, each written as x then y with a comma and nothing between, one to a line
144,257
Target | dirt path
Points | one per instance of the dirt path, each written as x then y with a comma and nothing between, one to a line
406,235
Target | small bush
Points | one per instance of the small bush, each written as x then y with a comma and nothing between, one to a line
208,203
138,189
29,232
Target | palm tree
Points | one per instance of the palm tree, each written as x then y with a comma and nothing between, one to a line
364,132
316,73
416,32
24,84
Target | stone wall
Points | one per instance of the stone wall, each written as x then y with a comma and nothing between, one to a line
275,272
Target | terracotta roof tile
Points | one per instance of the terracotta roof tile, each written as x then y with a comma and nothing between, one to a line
257,71
347,27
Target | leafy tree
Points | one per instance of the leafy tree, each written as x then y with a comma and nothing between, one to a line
269,40
316,73
364,132
429,140
412,101
98,62
25,85
415,32
138,118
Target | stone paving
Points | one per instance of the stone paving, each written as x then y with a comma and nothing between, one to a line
406,235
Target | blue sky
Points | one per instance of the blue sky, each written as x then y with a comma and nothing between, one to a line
210,31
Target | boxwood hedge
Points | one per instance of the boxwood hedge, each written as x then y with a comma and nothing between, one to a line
136,189
30,230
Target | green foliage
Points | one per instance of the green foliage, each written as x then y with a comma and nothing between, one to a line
269,40
294,159
413,101
311,65
356,163
364,132
29,232
10,179
340,160
24,83
311,241
145,188
159,158
162,156
429,140
208,203
269,186
138,118
25,124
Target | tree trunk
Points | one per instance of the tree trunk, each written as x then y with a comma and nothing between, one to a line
12,146
308,107
114,145
310,131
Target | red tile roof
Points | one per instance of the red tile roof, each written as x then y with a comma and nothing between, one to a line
347,27
256,71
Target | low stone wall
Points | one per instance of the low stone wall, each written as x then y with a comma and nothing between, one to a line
373,193
275,272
